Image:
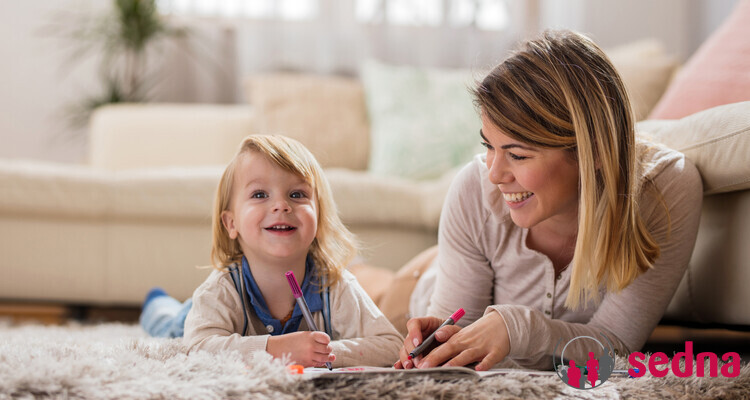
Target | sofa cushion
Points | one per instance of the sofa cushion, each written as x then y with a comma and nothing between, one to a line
187,194
364,198
423,121
325,113
131,136
646,71
718,73
716,140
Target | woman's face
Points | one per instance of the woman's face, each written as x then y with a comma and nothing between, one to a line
540,185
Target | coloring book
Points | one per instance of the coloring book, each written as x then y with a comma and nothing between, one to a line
439,373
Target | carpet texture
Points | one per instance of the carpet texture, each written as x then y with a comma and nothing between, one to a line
115,361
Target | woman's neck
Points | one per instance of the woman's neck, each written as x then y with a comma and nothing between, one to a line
556,241
273,285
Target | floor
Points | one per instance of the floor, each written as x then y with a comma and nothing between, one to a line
665,338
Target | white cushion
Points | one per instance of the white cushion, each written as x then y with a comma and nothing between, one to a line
423,122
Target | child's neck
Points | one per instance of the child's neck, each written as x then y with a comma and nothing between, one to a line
273,285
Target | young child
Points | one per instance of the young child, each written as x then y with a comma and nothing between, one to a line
274,213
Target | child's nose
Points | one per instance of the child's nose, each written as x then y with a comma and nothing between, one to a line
281,206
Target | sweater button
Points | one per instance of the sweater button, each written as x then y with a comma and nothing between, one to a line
547,312
549,295
269,328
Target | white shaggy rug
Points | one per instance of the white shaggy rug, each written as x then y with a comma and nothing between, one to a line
115,361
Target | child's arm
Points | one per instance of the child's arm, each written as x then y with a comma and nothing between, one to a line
364,335
215,323
215,319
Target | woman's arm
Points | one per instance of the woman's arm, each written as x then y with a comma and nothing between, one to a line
465,278
363,335
626,318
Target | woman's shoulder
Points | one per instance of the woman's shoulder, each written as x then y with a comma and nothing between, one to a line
657,160
676,180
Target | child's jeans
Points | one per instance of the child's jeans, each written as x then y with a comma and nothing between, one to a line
164,316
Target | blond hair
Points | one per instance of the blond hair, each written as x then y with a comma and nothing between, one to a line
333,246
561,91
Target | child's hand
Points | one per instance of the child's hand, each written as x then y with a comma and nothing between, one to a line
310,349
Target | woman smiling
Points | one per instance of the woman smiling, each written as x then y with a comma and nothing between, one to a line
568,225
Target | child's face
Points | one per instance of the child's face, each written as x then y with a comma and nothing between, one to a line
273,212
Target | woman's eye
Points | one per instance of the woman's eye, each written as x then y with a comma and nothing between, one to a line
517,157
487,145
259,195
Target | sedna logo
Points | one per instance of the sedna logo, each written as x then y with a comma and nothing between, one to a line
589,373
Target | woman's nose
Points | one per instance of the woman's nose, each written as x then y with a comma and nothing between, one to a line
499,172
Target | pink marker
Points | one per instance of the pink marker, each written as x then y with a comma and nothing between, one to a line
450,321
297,292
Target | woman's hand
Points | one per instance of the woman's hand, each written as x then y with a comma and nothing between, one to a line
485,341
310,349
418,329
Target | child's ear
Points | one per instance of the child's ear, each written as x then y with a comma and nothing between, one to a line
227,218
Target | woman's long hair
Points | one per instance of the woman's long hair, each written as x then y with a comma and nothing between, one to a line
561,91
334,245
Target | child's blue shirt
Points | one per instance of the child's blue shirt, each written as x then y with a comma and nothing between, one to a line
310,290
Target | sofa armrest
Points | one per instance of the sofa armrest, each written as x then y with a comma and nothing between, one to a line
127,136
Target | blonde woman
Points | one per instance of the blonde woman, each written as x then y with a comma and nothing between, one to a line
570,225
274,212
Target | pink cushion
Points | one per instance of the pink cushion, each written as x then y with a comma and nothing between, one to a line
718,73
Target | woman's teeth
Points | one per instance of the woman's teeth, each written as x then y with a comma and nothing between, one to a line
517,197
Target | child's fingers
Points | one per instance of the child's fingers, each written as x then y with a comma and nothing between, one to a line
320,337
320,361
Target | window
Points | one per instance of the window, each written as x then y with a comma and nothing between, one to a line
482,14
256,9
492,15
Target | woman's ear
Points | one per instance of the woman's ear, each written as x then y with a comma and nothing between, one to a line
227,218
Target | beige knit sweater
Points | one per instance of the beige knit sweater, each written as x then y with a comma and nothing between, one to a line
484,266
362,335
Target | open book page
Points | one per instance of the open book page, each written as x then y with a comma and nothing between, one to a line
437,372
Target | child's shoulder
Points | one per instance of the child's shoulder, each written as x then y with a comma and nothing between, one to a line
347,282
217,278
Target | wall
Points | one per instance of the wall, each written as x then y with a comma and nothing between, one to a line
36,82
36,87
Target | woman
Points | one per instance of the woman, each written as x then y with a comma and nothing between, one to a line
568,226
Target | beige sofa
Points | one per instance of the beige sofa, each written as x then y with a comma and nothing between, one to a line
138,214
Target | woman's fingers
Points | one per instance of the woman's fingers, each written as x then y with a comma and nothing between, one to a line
445,333
418,329
491,359
486,339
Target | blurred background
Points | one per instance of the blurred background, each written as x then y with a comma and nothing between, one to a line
56,63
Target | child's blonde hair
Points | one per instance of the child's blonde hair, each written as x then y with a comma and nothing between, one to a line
333,247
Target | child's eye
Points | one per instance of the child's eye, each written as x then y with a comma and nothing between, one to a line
487,145
298,195
517,157
259,195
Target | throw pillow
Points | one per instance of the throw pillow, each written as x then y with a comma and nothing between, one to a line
325,113
422,121
645,70
718,73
